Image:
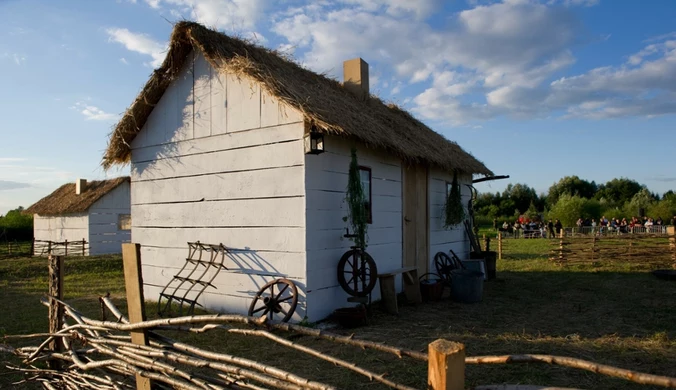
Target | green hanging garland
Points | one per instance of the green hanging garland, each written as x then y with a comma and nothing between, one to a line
454,212
356,202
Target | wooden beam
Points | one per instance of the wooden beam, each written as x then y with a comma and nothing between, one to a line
133,281
446,365
55,308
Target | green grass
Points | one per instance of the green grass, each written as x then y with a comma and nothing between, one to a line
616,314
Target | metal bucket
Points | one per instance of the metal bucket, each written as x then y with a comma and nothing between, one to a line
431,289
467,286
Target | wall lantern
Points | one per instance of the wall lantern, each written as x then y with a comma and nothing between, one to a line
314,142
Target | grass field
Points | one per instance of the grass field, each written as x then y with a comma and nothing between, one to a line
614,314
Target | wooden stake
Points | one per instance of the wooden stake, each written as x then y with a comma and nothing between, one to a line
133,281
499,245
66,250
55,308
83,247
446,365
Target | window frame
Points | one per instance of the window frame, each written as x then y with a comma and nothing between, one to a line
120,218
369,218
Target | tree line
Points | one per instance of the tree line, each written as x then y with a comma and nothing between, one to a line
16,225
572,197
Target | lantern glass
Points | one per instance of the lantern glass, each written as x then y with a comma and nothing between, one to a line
314,143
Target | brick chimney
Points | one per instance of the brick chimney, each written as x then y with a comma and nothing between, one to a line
80,185
356,77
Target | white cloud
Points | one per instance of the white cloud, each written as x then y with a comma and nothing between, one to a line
17,58
91,112
232,15
153,3
140,43
482,49
124,61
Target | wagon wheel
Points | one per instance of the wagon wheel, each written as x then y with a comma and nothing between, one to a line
277,300
445,264
357,273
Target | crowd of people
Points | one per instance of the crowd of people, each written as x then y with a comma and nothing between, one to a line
531,228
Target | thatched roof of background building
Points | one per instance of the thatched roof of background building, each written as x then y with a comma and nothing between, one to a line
324,102
65,201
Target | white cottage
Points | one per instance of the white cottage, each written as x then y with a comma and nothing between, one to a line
97,212
217,146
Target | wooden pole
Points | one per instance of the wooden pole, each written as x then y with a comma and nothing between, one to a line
446,365
55,308
83,247
133,281
49,247
66,250
499,245
671,231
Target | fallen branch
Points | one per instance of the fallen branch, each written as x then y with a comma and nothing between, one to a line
634,376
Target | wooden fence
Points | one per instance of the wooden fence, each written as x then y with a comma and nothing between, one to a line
107,354
60,248
647,249
15,248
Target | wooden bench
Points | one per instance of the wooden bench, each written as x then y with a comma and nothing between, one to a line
388,291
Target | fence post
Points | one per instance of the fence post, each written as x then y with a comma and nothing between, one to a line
671,231
66,250
593,248
9,247
55,308
49,247
446,365
83,247
499,245
133,282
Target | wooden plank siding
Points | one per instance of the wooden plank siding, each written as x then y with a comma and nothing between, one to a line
105,235
325,183
228,170
71,227
440,239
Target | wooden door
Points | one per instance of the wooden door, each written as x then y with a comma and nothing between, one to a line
416,218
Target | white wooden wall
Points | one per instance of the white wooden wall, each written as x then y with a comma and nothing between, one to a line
71,227
104,235
220,161
441,240
326,182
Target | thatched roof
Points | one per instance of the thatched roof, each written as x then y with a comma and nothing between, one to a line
324,102
65,201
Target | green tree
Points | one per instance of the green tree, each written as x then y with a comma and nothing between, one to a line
569,208
521,195
571,185
619,191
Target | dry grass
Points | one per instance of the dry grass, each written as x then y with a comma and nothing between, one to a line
618,315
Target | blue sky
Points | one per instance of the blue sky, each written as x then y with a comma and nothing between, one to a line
535,89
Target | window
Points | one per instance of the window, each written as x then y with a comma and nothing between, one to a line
448,189
365,175
124,222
